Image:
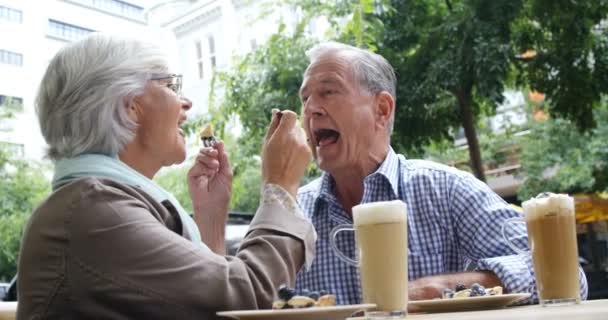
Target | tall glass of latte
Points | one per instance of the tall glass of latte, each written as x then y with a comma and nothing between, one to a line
381,237
550,220
552,236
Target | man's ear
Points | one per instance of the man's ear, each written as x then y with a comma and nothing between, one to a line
385,108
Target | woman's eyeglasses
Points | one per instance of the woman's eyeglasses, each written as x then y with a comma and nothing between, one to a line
176,81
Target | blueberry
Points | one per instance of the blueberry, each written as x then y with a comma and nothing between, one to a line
305,292
314,295
286,292
477,290
447,293
322,293
460,287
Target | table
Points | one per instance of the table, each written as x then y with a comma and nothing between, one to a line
587,310
8,310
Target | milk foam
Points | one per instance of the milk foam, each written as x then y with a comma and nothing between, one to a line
561,204
380,212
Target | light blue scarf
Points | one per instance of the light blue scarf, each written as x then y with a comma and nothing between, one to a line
98,165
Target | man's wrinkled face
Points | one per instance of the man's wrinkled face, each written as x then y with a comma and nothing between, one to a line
339,115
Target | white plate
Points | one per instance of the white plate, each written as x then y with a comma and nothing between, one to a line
465,304
314,313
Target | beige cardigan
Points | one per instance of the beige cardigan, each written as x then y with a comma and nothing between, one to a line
101,249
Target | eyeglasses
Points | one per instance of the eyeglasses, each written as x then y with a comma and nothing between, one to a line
176,81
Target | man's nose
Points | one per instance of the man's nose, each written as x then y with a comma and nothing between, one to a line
313,107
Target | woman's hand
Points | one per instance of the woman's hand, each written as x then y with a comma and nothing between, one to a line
286,153
210,186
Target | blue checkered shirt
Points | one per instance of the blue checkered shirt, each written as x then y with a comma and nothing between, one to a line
454,225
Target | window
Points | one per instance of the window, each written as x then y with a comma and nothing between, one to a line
66,31
117,7
9,57
211,50
199,59
11,103
10,15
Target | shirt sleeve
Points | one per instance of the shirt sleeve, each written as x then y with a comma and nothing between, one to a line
478,215
275,194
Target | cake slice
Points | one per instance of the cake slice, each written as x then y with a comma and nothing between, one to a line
207,136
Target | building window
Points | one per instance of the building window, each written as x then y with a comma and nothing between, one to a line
211,50
9,57
11,103
199,59
10,15
117,7
67,31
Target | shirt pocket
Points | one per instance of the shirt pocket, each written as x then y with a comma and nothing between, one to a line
423,264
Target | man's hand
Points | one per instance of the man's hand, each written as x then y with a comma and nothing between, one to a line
286,153
432,286
210,186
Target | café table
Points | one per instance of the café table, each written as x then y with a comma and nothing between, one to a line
587,310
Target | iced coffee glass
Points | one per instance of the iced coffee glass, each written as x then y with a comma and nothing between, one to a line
550,221
381,237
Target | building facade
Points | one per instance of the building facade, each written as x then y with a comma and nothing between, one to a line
31,32
210,33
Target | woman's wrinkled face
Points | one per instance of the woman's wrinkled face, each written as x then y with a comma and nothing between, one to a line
161,112
339,116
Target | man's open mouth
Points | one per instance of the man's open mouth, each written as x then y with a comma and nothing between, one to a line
325,137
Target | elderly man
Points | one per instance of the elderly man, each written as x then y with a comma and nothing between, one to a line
348,97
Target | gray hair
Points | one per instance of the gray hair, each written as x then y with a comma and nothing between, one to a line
84,94
373,72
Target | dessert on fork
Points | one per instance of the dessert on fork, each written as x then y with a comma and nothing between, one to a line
207,136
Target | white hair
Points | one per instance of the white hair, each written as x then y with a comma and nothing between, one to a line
373,72
86,90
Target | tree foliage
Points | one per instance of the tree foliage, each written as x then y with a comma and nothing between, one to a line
557,157
23,187
452,59
267,78
571,61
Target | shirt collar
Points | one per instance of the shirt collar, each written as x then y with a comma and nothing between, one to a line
389,169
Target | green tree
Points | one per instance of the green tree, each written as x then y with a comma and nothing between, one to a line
24,186
267,78
453,60
569,60
557,157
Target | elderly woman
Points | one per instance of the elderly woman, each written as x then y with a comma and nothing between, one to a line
109,242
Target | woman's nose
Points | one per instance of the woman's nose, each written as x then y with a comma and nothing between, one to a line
186,103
